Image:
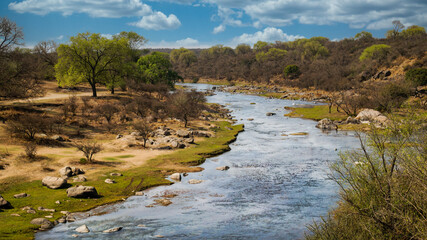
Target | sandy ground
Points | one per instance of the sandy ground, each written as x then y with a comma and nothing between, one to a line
53,159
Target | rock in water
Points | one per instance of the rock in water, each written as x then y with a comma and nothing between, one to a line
176,176
83,229
82,192
111,230
326,124
270,114
223,168
194,181
164,202
43,223
54,182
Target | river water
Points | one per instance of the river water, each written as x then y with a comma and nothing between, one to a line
276,185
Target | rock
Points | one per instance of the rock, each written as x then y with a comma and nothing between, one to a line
83,229
43,223
111,230
140,193
80,178
15,215
163,201
141,225
115,174
159,236
270,114
326,124
70,218
119,136
54,182
58,202
135,134
76,171
223,168
46,209
65,212
189,140
183,133
82,192
62,219
20,195
109,181
194,181
65,172
351,120
58,138
202,134
250,119
185,174
379,75
176,176
387,73
368,115
48,216
75,235
29,209
382,120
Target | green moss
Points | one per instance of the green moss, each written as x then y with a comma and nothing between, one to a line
151,174
316,113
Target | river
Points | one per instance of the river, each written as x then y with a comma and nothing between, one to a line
276,185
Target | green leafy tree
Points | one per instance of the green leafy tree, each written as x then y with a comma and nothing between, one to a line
413,31
273,54
314,49
291,71
90,58
183,57
261,46
376,52
243,49
364,36
157,68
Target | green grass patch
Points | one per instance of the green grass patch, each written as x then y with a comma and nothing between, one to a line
126,156
316,113
152,173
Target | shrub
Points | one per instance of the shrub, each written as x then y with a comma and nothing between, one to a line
31,150
418,76
27,126
376,51
291,71
145,129
383,187
107,110
89,149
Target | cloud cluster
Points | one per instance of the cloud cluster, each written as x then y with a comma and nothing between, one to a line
187,43
150,19
269,34
357,14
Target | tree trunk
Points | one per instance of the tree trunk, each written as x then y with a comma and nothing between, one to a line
93,90
112,90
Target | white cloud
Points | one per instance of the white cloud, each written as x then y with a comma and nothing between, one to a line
158,21
357,14
60,37
269,34
220,28
101,8
187,43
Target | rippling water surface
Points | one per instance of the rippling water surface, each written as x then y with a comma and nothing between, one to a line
276,185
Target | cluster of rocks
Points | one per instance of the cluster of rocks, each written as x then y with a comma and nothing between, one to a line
366,116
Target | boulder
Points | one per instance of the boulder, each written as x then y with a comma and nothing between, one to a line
65,172
20,195
42,222
140,193
58,138
183,133
270,114
54,182
76,171
80,178
83,229
119,136
176,176
223,168
368,115
4,204
189,140
82,192
115,174
351,120
111,230
194,181
109,181
163,201
326,124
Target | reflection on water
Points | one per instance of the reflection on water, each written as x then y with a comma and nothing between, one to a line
276,185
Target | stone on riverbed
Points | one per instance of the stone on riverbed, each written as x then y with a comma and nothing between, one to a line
270,114
194,181
223,168
176,176
43,223
83,229
111,230
326,124
164,202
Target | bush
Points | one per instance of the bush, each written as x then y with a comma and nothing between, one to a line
291,71
27,126
144,128
31,150
89,149
376,51
383,187
418,76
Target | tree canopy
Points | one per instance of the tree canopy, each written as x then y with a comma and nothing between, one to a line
157,69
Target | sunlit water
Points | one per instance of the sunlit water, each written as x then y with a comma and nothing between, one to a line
275,186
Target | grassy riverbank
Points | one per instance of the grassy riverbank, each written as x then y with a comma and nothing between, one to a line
151,174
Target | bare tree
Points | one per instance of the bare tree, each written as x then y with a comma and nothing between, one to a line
10,35
89,149
27,126
107,110
186,105
145,129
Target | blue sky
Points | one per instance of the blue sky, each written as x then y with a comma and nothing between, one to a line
203,23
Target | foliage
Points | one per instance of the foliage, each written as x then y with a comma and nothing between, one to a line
27,125
291,71
418,76
413,31
31,150
376,51
363,36
106,110
183,56
261,46
144,128
273,54
157,69
383,187
89,149
243,49
10,35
